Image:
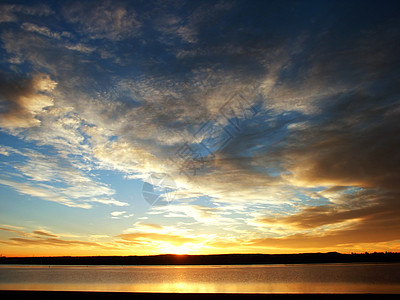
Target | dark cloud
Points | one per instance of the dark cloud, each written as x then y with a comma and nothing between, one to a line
11,12
358,206
22,98
372,227
355,143
107,19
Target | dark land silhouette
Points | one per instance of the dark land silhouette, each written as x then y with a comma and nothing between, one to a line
180,296
221,259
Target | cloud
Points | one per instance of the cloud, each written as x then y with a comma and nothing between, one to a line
81,48
381,227
363,155
44,192
105,19
19,231
351,139
6,150
44,233
120,214
147,237
10,12
45,239
149,226
16,231
40,30
317,216
55,242
202,214
60,181
125,157
11,226
22,100
177,238
117,213
367,216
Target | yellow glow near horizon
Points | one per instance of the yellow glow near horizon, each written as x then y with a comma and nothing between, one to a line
187,248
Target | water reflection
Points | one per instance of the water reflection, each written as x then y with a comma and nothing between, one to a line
317,278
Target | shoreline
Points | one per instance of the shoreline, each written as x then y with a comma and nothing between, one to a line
219,259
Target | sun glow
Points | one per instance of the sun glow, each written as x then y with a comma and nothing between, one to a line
187,248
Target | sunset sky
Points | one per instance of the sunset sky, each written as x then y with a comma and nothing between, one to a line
150,127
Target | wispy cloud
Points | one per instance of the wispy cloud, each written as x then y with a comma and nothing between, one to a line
55,242
58,181
40,30
43,239
44,233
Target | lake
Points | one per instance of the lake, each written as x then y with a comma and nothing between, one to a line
295,278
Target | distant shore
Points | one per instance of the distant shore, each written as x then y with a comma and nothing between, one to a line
221,259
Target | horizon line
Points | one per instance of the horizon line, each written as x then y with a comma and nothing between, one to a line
219,254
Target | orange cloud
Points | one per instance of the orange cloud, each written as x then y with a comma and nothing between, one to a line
44,233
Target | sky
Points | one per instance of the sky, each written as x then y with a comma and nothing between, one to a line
199,127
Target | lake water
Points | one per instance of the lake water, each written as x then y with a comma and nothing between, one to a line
299,278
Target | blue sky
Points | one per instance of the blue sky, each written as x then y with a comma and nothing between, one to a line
275,122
